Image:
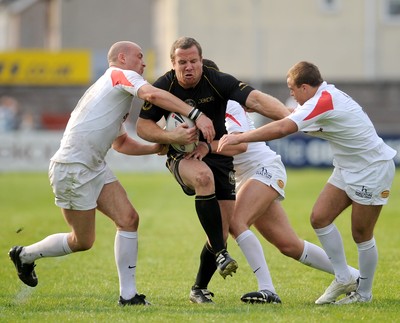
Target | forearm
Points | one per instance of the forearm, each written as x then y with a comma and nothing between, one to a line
129,146
165,100
150,131
267,105
270,131
170,103
229,150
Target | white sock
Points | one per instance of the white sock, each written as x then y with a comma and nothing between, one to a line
252,249
332,243
55,245
316,257
126,253
367,261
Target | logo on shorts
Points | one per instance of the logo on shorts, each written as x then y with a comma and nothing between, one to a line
363,193
232,178
264,172
280,183
385,194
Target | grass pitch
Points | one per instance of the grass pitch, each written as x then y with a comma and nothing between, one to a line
83,287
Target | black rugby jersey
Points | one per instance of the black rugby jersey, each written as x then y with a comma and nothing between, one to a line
210,96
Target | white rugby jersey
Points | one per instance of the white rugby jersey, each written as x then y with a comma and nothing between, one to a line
334,116
237,120
98,118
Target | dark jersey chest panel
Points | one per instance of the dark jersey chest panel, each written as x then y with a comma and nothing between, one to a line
210,96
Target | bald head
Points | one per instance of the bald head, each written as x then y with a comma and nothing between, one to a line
126,55
120,47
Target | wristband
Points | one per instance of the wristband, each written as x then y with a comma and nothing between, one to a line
194,114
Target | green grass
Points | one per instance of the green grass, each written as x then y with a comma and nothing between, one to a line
83,287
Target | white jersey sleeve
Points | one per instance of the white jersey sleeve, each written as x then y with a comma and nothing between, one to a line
334,116
97,119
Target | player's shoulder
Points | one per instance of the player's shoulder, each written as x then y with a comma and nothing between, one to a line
214,74
222,82
165,80
120,76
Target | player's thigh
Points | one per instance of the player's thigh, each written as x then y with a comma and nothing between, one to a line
275,227
114,203
82,225
330,203
252,201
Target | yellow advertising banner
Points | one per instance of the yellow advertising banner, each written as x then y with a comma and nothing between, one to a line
39,67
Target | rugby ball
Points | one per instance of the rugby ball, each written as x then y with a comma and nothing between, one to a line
174,120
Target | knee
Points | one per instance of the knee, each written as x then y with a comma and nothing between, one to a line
128,222
317,221
85,244
236,228
360,235
204,178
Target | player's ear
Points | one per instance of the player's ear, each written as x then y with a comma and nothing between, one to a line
121,57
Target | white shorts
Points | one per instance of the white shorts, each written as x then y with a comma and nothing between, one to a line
273,175
371,186
77,187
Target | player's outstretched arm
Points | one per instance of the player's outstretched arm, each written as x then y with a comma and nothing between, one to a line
267,105
270,131
129,146
171,103
150,131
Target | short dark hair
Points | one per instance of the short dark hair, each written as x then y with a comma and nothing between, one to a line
305,73
184,43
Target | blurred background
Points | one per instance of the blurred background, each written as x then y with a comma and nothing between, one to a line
52,50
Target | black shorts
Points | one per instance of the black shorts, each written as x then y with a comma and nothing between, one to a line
222,169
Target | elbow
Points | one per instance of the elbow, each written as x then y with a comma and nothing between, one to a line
287,127
119,142
140,129
140,133
242,148
152,97
117,148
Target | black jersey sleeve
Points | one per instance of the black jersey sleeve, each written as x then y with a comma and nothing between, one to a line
228,86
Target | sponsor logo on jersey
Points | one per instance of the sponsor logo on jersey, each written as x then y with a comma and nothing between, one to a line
147,105
280,183
191,102
206,100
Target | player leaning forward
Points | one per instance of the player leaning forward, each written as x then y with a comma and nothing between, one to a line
208,176
81,180
362,177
